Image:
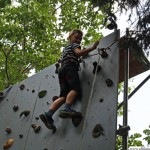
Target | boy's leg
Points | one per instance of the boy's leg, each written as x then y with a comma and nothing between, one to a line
73,83
47,116
70,99
68,112
55,106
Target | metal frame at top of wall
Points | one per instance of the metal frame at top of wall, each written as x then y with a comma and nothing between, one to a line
126,96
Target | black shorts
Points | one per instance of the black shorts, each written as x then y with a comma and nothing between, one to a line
69,79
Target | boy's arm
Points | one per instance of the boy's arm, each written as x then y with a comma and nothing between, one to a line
83,52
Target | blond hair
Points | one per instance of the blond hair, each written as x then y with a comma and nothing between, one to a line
73,32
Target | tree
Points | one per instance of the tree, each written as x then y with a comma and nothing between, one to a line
142,21
33,33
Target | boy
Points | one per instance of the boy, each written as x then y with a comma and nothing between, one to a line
68,79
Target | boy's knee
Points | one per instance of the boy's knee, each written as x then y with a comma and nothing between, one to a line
63,100
78,91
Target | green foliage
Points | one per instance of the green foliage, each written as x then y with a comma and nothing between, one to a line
141,30
120,111
119,143
33,33
134,141
147,133
120,85
3,3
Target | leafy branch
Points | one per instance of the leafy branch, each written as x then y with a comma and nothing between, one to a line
60,6
7,54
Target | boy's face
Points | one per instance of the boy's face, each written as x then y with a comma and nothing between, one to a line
76,38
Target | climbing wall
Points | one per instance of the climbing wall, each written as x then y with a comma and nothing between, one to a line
98,105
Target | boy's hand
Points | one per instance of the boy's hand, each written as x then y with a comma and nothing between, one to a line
95,45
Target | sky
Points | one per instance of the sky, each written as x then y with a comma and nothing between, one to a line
139,103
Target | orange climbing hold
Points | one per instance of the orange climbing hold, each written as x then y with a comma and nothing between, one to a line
8,143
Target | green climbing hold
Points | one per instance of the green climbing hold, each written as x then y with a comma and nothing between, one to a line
42,93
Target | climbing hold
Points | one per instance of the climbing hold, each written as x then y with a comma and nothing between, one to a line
22,86
36,128
36,118
46,76
15,108
101,100
25,113
20,136
57,68
33,91
109,82
8,143
67,140
54,129
47,103
2,95
99,68
54,98
42,93
95,66
97,131
76,120
103,53
8,130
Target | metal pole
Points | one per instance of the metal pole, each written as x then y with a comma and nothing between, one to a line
125,108
139,86
135,90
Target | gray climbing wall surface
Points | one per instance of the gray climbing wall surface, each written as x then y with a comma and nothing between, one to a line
98,126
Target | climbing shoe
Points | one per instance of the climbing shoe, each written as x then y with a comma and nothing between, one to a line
69,114
48,121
